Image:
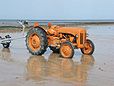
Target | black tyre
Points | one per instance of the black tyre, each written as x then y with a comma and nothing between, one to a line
54,49
36,41
88,47
66,50
6,45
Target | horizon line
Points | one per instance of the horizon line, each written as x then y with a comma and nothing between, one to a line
57,19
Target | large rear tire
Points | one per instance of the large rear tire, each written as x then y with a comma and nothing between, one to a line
66,50
88,47
36,41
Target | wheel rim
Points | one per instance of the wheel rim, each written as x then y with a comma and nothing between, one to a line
87,47
66,51
34,42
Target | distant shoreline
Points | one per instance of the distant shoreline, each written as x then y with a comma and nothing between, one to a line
15,23
13,29
14,26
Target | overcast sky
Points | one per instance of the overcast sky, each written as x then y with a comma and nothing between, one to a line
57,9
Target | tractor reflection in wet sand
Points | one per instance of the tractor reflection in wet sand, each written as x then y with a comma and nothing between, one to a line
59,39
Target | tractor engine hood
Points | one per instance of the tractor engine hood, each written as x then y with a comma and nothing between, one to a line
71,30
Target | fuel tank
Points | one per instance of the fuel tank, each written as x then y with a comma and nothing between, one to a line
71,30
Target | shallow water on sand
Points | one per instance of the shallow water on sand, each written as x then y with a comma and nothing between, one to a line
19,68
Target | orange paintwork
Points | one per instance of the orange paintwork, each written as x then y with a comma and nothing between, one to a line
36,24
66,51
59,39
52,32
49,24
87,47
55,35
56,30
34,42
53,40
70,30
74,31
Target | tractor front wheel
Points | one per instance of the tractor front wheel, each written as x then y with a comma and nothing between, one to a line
36,41
66,50
88,47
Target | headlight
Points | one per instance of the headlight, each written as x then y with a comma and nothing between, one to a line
76,35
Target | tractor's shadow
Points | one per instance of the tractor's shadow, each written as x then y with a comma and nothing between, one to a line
38,68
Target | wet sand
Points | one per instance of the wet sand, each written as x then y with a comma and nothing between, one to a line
19,68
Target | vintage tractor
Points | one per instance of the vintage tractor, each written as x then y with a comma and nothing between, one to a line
59,39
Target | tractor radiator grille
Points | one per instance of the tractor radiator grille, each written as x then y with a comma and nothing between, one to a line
81,38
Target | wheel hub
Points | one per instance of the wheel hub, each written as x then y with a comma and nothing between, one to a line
34,42
87,47
66,50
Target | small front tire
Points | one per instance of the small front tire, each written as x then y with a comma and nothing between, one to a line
88,47
66,50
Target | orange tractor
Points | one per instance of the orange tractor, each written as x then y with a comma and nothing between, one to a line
59,39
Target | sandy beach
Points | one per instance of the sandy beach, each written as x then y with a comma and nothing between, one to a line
19,68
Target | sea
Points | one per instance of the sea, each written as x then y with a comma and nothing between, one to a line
14,22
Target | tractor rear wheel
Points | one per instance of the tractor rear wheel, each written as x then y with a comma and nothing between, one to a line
88,47
36,41
66,50
54,49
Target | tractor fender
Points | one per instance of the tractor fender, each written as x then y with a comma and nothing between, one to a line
38,27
